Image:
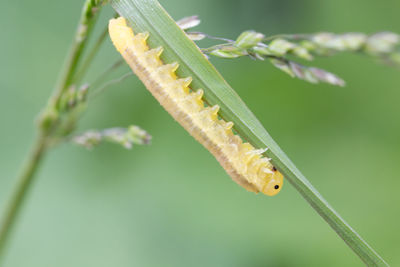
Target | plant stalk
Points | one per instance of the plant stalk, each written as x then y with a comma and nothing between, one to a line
89,59
85,27
24,181
48,125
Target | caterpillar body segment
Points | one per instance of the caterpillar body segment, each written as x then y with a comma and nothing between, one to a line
242,161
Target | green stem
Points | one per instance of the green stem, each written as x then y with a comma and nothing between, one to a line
48,123
93,52
89,59
19,194
85,27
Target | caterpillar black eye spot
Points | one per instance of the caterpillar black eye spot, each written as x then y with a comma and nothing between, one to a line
276,187
274,169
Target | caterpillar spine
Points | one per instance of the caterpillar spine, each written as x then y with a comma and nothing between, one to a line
242,161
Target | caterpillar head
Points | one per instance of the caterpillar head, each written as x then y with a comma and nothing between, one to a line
274,184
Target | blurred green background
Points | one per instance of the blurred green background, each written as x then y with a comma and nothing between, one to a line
170,203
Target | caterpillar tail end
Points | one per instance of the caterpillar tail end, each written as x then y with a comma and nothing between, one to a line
121,35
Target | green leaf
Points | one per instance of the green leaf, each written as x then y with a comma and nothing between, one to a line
148,15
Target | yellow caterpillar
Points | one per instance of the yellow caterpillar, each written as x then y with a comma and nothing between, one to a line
242,161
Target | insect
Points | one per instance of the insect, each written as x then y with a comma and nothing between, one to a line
241,160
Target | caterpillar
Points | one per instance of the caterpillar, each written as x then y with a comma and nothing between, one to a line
244,163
